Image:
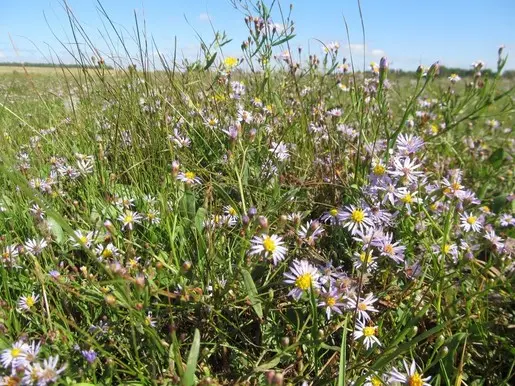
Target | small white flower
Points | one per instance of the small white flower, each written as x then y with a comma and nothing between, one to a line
470,222
269,245
35,246
280,150
355,219
81,239
303,276
189,178
411,378
368,332
27,303
129,218
363,306
16,356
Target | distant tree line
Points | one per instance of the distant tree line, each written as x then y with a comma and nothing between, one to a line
462,72
50,65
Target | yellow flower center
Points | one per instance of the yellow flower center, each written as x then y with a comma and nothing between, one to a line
434,129
456,186
415,380
232,211
304,281
30,301
83,239
107,253
362,307
388,248
375,381
230,61
269,244
128,218
379,170
189,175
407,199
366,257
485,209
330,301
369,331
12,381
471,220
358,215
15,352
446,248
333,212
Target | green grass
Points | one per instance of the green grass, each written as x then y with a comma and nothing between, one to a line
180,299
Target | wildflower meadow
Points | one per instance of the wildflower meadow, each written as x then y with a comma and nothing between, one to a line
276,217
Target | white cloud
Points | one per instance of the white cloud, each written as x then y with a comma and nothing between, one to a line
205,17
377,53
2,55
357,48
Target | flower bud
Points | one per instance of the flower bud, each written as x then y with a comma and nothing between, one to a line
175,167
110,300
278,379
252,212
269,375
263,222
186,266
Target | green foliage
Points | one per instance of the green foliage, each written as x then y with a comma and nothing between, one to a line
143,214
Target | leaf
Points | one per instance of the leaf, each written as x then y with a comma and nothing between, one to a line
199,219
499,202
56,229
283,40
343,355
210,61
496,158
191,365
188,205
252,293
269,365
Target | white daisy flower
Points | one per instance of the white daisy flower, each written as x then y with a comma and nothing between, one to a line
411,378
268,245
470,222
280,150
27,303
363,306
303,276
35,246
368,333
361,257
16,356
189,178
129,218
355,219
310,232
406,168
81,239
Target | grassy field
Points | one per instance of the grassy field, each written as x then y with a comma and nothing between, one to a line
244,221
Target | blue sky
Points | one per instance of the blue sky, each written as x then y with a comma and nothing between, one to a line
409,32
